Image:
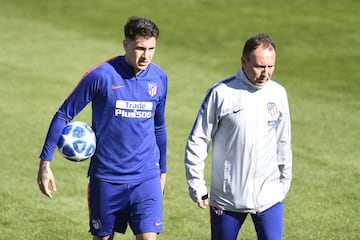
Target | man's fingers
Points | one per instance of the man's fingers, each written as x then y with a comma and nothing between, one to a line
45,190
203,203
53,184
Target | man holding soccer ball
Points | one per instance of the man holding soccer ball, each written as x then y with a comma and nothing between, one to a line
247,119
127,173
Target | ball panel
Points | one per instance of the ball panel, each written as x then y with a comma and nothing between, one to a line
67,129
79,132
68,151
90,150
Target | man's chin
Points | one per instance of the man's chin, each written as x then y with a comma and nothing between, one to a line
142,67
261,83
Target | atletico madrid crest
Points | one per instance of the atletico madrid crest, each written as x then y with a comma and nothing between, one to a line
153,88
272,109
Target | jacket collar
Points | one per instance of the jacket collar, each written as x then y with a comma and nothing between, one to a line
242,77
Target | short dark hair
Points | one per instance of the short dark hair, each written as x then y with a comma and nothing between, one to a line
254,42
140,26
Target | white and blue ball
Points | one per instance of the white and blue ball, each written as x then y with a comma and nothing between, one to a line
77,141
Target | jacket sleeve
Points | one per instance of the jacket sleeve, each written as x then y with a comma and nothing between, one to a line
74,103
160,129
56,126
197,147
283,135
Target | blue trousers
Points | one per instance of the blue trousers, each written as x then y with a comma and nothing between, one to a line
268,224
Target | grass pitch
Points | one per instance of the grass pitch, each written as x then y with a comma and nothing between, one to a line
46,46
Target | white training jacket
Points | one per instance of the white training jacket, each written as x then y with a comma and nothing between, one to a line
250,131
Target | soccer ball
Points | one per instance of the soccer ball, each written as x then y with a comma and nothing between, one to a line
77,141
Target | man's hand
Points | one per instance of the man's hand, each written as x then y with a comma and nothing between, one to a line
204,201
162,181
46,176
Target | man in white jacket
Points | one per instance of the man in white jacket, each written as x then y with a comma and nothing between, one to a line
246,119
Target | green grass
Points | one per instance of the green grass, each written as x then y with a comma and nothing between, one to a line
46,46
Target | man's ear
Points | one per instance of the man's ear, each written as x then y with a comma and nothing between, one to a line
243,60
125,44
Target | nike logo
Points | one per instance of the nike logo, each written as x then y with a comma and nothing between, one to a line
158,223
117,86
236,110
